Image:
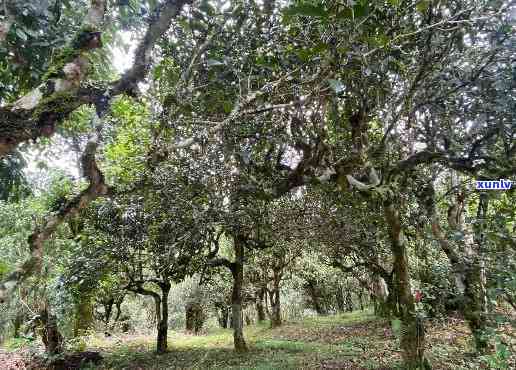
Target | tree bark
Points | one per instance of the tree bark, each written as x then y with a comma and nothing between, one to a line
467,267
222,315
17,323
360,296
108,310
349,302
413,333
83,315
314,295
51,337
275,300
162,339
475,290
259,305
339,297
118,305
236,296
161,307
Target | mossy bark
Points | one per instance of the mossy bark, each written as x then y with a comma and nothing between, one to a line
83,315
412,340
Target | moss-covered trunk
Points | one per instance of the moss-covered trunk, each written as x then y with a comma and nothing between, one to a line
412,334
474,302
83,315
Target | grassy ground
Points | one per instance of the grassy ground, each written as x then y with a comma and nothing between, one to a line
350,341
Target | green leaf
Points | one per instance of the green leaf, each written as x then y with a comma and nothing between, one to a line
396,326
21,34
422,6
457,236
307,10
214,62
336,85
227,106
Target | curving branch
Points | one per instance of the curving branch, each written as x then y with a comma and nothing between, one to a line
29,123
97,187
160,23
64,87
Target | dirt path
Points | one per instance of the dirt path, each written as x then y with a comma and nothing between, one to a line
11,361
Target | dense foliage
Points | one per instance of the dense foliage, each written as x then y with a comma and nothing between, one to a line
257,161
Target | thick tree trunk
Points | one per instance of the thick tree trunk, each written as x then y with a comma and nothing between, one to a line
275,301
259,305
108,310
316,302
118,305
349,302
162,339
413,334
360,296
223,315
194,317
339,297
83,315
467,267
51,337
474,305
17,323
236,296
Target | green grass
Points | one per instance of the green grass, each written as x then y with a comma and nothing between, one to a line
267,348
356,341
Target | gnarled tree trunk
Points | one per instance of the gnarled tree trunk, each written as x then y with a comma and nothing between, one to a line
467,267
51,337
413,333
275,300
475,294
83,315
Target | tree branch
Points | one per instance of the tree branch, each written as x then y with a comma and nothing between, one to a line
36,240
63,90
142,60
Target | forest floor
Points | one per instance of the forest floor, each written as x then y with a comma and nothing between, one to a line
350,341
